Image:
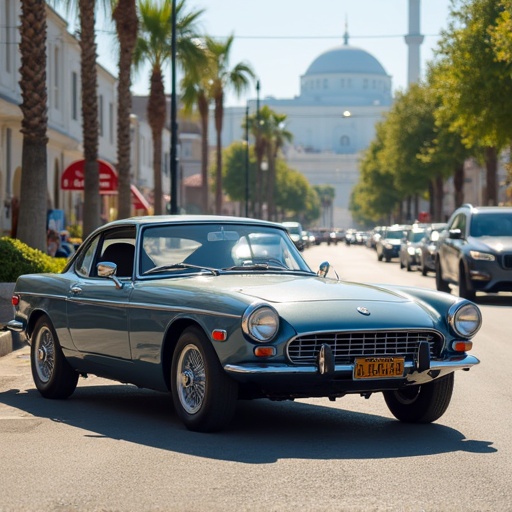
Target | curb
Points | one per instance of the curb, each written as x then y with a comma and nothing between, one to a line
7,340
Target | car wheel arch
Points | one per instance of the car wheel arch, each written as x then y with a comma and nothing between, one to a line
170,340
33,319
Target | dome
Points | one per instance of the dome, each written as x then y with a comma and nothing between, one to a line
346,59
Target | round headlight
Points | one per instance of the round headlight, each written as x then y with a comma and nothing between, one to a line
465,319
260,322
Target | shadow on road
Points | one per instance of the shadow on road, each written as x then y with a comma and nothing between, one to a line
261,432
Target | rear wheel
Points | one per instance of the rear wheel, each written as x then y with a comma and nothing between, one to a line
204,396
52,375
421,404
441,284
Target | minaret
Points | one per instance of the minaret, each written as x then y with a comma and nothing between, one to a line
413,40
345,35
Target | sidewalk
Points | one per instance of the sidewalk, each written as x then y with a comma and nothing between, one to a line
8,341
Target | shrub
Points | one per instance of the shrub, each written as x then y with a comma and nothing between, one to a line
18,258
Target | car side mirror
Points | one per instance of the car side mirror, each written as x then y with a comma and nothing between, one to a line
108,269
455,234
324,269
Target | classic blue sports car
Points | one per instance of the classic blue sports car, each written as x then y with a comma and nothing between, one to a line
215,309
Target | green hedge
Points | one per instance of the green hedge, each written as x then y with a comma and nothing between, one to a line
17,258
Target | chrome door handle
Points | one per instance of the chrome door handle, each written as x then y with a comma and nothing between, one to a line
76,290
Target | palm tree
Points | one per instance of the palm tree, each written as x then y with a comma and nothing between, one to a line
90,125
279,136
124,13
153,46
224,78
195,87
33,197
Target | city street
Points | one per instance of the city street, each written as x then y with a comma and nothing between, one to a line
113,447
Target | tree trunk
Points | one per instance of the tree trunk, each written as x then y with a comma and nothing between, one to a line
219,112
491,166
34,180
458,185
438,199
90,129
156,111
125,17
203,112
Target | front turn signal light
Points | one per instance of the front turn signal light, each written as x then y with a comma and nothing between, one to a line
264,351
462,346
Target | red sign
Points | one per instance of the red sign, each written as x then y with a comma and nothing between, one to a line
73,177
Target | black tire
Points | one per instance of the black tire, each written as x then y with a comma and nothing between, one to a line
204,396
408,265
52,375
424,269
441,284
379,257
421,404
465,290
401,263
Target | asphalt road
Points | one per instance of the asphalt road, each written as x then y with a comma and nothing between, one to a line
112,447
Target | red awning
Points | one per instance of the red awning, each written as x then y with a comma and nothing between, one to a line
138,200
73,179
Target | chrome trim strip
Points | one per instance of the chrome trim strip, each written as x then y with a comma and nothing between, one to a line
454,363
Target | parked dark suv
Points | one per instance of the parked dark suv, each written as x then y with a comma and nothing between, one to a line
475,251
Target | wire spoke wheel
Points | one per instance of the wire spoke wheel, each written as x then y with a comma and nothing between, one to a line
191,379
44,348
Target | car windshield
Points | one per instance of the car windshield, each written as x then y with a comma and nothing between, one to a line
491,224
417,236
226,247
395,235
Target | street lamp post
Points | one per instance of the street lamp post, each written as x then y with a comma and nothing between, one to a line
174,124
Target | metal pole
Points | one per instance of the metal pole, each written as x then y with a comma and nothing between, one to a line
247,161
174,124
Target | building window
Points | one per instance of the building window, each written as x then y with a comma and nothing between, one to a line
344,141
74,96
342,83
365,83
100,114
326,83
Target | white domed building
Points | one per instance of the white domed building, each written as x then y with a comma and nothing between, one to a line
343,94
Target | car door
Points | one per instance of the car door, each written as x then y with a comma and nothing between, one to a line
452,247
97,309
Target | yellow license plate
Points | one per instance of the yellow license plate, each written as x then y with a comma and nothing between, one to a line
378,367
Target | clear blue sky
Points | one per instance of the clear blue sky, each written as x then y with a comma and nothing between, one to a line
280,38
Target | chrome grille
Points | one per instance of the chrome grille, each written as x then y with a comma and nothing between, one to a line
346,346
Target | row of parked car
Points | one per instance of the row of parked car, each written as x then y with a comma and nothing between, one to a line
473,250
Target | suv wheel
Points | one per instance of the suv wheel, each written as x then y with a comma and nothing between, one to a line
441,284
465,290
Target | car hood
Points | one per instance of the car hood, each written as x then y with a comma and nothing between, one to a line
316,303
496,243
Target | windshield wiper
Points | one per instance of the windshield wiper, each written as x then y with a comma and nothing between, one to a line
177,266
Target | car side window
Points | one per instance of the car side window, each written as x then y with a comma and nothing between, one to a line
84,264
459,223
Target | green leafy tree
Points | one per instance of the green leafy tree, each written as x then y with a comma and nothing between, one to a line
326,194
477,87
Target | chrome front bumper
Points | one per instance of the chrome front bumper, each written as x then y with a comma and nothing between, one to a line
411,374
